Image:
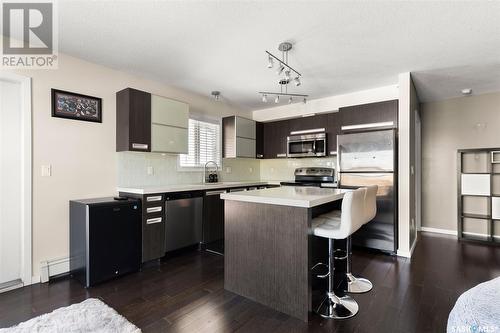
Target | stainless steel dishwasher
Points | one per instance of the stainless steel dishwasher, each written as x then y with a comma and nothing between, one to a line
184,216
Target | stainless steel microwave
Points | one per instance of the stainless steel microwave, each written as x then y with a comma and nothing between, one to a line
306,145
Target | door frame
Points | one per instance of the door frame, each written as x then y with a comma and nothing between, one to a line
27,179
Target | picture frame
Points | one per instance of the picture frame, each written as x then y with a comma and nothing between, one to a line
70,105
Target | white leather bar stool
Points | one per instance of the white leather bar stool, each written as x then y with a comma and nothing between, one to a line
356,284
332,226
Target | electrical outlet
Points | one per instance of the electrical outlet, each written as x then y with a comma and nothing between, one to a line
228,170
150,170
46,170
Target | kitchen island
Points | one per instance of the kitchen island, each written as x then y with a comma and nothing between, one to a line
268,244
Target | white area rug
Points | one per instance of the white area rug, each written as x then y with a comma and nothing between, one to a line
91,315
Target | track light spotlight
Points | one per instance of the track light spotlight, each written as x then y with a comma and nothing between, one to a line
280,69
277,99
304,100
264,98
290,100
270,63
296,81
287,75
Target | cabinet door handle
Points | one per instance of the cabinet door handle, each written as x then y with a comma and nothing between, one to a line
260,156
280,155
154,220
153,198
153,209
140,146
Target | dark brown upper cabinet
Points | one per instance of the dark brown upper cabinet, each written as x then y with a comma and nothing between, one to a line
369,116
275,134
308,123
332,130
133,120
259,140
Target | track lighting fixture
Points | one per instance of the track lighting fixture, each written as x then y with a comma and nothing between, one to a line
285,71
278,94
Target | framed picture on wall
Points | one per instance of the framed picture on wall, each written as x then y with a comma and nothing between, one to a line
71,105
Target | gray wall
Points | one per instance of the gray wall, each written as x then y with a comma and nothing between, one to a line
465,122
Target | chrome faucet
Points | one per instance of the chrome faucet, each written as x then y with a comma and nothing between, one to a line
206,176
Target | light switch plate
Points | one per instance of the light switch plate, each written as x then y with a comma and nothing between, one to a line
228,170
150,170
250,169
46,170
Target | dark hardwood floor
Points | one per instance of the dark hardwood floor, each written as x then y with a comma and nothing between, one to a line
185,293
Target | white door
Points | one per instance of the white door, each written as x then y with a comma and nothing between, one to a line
13,185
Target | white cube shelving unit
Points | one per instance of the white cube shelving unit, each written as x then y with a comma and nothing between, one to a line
477,169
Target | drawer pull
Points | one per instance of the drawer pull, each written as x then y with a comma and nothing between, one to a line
280,155
153,221
153,209
153,198
139,146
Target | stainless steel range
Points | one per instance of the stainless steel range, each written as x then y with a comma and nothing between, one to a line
312,176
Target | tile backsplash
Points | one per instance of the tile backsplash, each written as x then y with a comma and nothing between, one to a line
150,169
283,168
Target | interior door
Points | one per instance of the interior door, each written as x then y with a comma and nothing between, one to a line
11,183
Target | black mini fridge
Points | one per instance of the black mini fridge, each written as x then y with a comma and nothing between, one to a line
105,238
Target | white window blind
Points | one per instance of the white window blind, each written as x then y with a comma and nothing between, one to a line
204,144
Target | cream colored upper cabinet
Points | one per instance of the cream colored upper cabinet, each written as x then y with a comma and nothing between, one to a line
168,139
168,112
169,125
245,128
239,137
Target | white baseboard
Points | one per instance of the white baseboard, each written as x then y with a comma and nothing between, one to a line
52,268
439,231
35,279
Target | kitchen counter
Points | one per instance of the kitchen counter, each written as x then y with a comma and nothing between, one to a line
190,187
296,196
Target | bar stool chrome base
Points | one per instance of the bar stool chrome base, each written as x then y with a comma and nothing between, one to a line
358,285
334,307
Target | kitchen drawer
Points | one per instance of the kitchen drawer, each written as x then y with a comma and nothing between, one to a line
153,199
155,209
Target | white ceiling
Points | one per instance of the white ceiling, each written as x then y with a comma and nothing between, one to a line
339,46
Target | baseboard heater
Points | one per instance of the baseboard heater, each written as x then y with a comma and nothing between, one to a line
53,268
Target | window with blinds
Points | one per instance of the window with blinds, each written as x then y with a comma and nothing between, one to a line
204,144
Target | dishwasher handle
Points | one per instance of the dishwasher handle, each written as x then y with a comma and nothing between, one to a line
215,192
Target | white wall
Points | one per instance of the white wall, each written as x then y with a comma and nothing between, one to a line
327,104
82,154
447,126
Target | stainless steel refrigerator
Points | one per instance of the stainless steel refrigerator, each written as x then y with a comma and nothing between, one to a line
370,158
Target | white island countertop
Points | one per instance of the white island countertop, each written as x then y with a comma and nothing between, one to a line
296,196
190,187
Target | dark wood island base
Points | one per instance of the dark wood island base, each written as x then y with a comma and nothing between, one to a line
267,251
